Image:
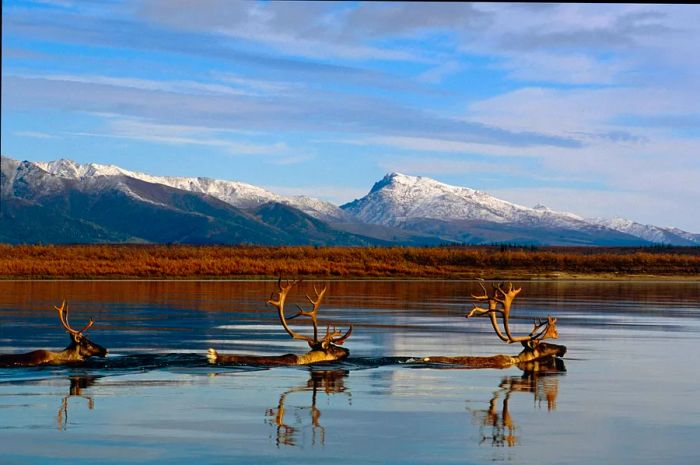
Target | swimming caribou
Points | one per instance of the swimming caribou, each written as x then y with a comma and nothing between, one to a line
79,349
326,349
499,305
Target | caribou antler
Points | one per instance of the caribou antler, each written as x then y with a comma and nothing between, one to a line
332,337
492,310
504,295
545,329
63,316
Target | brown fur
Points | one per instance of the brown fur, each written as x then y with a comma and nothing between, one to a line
541,351
80,349
333,353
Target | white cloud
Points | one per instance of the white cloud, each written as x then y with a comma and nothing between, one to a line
576,68
34,134
436,74
556,111
433,166
420,144
261,86
176,86
184,135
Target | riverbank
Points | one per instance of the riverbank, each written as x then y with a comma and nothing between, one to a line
237,262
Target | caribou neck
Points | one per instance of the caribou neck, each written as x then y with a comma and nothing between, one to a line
69,354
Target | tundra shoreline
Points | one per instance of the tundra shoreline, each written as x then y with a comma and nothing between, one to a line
181,262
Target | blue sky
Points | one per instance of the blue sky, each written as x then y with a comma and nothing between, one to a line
585,108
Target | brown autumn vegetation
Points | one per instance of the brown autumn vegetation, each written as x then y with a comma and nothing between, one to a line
183,261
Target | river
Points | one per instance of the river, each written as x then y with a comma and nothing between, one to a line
626,392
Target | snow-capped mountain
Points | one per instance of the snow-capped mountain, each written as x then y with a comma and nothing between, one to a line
459,213
399,209
235,193
398,198
649,232
693,237
77,204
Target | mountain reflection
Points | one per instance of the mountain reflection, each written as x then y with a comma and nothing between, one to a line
77,384
290,421
497,426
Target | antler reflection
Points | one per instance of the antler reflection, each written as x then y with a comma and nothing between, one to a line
330,382
497,427
77,384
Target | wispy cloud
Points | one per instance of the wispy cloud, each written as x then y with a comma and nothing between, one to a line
185,87
314,30
35,134
116,27
431,145
184,135
257,86
438,73
437,166
564,68
311,111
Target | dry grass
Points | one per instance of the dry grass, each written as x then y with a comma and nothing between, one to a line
180,261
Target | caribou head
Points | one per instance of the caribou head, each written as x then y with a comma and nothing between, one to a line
80,345
79,349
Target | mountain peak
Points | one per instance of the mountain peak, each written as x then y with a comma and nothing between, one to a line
398,179
66,168
385,181
62,167
404,197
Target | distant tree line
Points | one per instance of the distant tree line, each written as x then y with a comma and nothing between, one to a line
186,261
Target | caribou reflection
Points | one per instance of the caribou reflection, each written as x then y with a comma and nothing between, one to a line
539,378
287,430
77,384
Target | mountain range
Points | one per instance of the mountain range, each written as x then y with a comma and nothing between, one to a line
65,202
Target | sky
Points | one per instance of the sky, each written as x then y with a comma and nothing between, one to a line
587,108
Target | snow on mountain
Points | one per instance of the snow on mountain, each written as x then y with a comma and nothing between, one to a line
394,201
8,171
319,208
238,194
72,170
398,198
693,237
31,179
649,232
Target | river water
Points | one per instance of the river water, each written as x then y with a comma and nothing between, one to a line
628,390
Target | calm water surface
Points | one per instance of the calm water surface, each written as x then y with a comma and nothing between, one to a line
629,390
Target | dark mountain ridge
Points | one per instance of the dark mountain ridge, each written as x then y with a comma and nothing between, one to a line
65,202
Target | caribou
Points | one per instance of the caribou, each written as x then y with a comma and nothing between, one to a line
79,349
499,303
325,349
